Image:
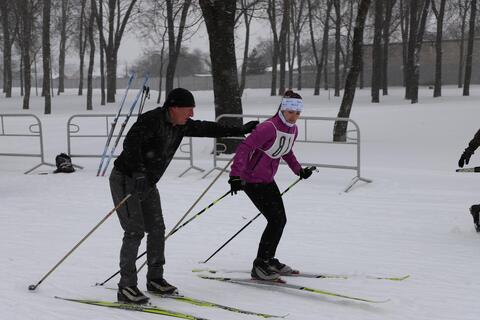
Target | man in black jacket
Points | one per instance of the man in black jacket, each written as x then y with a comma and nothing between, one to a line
147,151
464,159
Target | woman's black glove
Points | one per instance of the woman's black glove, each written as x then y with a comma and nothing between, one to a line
465,158
305,173
249,126
236,184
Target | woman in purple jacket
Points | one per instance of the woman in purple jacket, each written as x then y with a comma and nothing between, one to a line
253,170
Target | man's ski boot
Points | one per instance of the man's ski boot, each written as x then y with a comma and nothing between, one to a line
475,212
131,295
161,286
262,270
281,268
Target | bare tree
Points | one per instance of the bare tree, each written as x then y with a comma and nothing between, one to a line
340,127
463,8
298,22
118,17
323,57
272,17
387,29
471,38
377,59
91,62
46,55
103,48
247,12
439,14
65,14
338,25
174,42
219,18
82,43
25,11
282,39
9,28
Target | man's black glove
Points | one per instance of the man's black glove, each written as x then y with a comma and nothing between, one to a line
249,126
305,173
465,158
140,181
236,184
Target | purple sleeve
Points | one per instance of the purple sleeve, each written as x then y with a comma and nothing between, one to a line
258,138
292,161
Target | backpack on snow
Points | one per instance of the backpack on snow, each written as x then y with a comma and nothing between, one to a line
64,163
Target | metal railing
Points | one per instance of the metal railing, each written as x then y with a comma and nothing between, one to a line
303,137
34,132
74,131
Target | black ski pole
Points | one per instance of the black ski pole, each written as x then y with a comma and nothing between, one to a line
34,286
249,222
142,102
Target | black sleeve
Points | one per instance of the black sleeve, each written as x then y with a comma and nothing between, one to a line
132,146
475,142
197,128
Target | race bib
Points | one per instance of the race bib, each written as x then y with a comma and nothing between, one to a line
282,145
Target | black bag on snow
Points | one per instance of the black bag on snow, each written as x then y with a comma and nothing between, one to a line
64,163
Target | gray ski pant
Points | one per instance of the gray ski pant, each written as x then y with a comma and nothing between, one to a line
137,217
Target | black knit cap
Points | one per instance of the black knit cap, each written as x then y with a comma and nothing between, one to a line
179,97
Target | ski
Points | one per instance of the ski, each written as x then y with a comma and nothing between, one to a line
135,307
474,169
209,304
124,124
114,124
282,284
307,275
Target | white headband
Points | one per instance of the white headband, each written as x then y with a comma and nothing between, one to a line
292,104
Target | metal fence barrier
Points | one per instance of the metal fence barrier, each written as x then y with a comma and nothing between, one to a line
303,137
34,135
94,138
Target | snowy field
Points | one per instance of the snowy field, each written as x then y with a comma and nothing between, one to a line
413,219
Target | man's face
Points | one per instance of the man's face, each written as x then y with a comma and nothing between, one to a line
180,115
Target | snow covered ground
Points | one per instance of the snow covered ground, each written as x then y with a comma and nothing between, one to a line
413,219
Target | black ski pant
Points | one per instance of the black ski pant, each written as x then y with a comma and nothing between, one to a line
137,217
267,199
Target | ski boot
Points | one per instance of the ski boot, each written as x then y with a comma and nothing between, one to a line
161,286
281,268
262,270
475,212
131,295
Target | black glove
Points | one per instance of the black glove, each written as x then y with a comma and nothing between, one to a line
465,158
249,126
236,184
140,181
305,173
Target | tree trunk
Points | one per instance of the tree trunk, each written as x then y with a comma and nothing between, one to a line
386,44
219,18
91,62
340,127
272,17
338,25
174,45
247,20
471,37
46,56
81,44
461,57
160,71
405,28
102,53
25,9
283,44
62,49
5,10
377,59
439,14
418,48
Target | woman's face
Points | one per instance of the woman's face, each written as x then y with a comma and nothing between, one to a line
291,116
